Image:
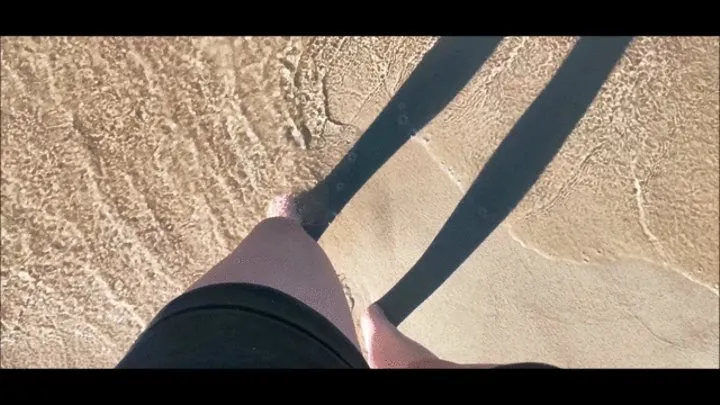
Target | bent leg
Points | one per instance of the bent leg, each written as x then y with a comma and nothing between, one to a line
278,253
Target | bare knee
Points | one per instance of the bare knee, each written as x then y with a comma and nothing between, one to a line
278,228
278,224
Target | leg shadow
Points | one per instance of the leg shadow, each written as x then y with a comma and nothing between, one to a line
441,74
511,171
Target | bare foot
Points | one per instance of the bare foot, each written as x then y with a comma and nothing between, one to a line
283,206
388,348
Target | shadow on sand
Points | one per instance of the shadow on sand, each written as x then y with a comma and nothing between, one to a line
509,173
443,71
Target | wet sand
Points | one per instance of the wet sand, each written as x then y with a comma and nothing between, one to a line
132,165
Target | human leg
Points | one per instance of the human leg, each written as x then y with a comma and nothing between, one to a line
279,254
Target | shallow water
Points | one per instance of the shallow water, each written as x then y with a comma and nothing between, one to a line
132,165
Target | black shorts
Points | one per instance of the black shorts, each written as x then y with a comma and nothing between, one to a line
245,326
241,326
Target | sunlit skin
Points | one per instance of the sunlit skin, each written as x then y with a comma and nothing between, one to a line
279,254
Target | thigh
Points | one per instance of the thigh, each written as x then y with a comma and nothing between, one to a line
278,253
239,325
